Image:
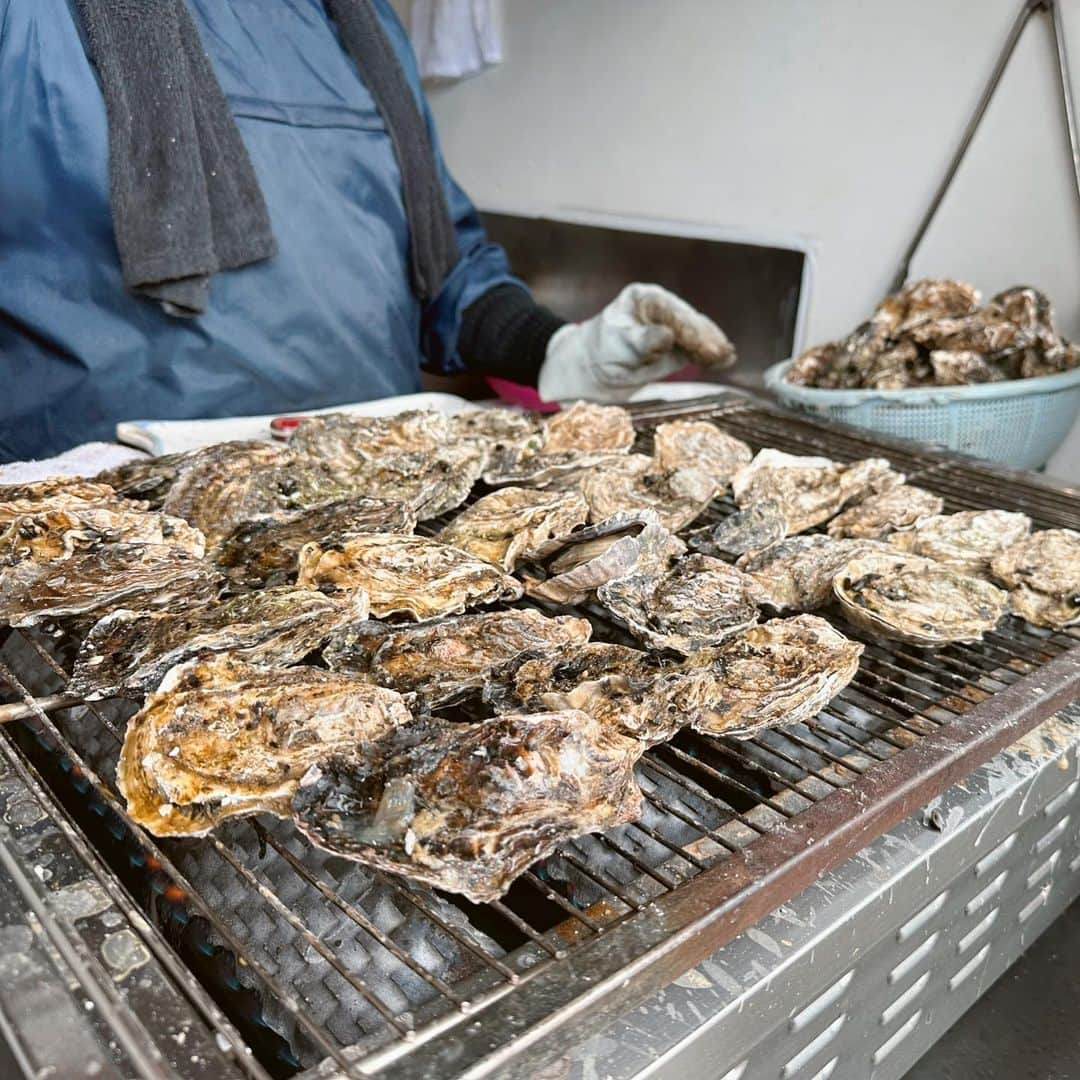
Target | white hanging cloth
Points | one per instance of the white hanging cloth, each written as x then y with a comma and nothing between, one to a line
455,39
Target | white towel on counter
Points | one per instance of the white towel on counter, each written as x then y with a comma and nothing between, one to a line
86,460
455,39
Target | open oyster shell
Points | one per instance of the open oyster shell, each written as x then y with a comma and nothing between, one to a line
405,575
221,738
917,600
966,541
1042,573
894,510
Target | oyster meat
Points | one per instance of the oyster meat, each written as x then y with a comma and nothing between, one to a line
468,808
683,605
797,573
58,493
129,652
747,531
1042,573
894,510
967,541
57,534
780,673
405,575
444,661
811,490
697,444
221,737
510,524
95,582
917,600
266,551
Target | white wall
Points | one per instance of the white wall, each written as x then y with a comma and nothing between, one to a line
828,119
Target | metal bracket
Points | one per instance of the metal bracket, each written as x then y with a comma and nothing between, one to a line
1057,29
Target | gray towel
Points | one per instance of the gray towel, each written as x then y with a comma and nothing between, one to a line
185,199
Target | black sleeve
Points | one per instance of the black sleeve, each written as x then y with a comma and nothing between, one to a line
506,333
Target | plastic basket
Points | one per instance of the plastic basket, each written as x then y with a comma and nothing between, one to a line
1020,422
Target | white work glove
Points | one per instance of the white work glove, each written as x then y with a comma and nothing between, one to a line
646,333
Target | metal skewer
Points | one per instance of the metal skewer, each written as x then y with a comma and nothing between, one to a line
22,710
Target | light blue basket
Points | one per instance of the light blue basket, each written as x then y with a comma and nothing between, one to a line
1020,422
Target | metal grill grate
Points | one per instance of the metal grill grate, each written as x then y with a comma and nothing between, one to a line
434,985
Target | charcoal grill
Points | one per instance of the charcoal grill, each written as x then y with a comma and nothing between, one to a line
249,954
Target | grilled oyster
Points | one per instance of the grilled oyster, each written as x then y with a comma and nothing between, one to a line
57,534
405,575
468,808
697,444
797,573
570,440
677,496
265,551
894,510
219,486
498,429
95,582
747,531
966,541
221,737
917,600
811,490
128,652
598,553
58,493
780,673
146,478
443,661
1043,575
682,605
511,523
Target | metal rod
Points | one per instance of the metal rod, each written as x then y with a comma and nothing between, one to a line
23,710
1068,105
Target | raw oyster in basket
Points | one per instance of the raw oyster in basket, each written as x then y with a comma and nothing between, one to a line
410,576
266,551
967,540
467,808
780,673
510,524
917,600
923,301
811,490
442,661
796,574
128,652
1042,573
894,510
745,532
221,737
698,444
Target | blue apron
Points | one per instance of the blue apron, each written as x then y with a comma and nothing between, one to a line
332,318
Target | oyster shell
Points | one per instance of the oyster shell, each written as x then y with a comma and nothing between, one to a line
698,444
1030,311
1042,573
58,493
747,531
499,429
682,605
468,808
221,738
796,574
146,478
266,551
57,534
917,600
894,510
128,653
978,333
443,661
921,301
780,673
966,541
677,496
95,582
811,490
341,442
405,575
510,524
962,368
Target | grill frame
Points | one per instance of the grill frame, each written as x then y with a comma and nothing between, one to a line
516,1015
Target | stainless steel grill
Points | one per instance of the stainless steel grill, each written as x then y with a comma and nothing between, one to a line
290,957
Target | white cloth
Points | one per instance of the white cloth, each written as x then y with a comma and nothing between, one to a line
454,39
646,333
86,460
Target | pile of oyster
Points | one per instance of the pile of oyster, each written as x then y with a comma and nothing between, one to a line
368,630
938,333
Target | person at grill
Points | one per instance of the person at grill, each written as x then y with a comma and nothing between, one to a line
222,207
